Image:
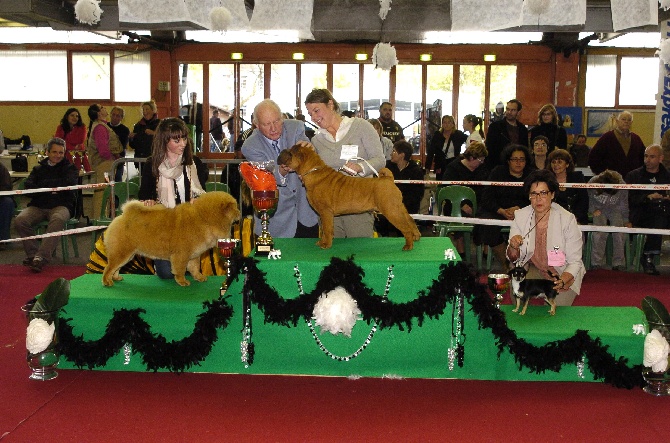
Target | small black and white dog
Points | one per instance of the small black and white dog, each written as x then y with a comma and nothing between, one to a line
523,289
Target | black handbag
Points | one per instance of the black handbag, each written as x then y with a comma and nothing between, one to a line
20,163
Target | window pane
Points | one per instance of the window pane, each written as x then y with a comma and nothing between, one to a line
28,80
190,89
132,76
283,87
471,91
375,89
90,75
601,80
222,97
251,90
440,85
639,81
312,75
408,99
503,88
345,86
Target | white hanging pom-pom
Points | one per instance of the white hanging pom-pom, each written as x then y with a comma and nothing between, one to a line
88,11
384,8
336,312
537,7
220,18
383,56
665,4
664,51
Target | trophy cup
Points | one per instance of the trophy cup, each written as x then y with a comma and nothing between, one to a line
226,249
264,197
498,284
264,202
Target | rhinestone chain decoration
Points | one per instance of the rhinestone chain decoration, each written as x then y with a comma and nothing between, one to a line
373,330
246,346
127,352
580,366
456,351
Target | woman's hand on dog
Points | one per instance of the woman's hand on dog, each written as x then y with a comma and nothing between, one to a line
563,283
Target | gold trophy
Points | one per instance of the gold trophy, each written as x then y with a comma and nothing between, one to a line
227,247
264,202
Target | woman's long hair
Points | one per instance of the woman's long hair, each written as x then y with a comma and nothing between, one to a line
65,122
167,129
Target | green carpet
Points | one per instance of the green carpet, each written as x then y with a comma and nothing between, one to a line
172,310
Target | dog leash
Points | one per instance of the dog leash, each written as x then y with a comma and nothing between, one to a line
367,163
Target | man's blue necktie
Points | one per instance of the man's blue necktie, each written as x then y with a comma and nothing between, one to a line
275,145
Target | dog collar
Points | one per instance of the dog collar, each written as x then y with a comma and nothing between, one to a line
310,171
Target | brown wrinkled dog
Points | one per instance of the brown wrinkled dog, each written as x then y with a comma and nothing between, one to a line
331,193
179,234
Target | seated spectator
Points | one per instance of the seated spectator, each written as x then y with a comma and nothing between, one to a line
580,152
539,149
6,205
574,200
55,207
387,144
608,207
500,202
469,167
403,168
650,208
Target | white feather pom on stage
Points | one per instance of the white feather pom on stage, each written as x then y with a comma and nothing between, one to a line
336,312
384,8
220,18
664,51
537,7
88,11
383,56
665,4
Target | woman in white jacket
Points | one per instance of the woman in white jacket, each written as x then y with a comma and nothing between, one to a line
546,240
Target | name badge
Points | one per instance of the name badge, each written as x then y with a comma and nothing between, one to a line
556,257
349,151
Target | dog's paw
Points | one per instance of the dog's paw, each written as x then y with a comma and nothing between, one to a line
181,281
107,282
515,310
200,277
323,244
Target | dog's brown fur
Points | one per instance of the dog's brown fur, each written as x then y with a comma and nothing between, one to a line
179,234
331,193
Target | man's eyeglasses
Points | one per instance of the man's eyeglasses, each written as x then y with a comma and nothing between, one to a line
481,159
178,138
542,194
518,159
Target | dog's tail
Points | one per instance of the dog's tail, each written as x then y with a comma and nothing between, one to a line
385,172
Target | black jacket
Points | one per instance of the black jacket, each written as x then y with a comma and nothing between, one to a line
61,174
497,138
639,206
149,182
435,152
557,136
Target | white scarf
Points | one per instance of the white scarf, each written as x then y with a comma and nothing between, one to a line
169,175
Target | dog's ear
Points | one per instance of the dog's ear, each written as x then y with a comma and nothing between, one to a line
284,157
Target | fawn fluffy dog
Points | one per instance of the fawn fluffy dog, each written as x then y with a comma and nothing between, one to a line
331,193
524,288
179,234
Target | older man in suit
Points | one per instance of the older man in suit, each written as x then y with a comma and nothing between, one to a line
294,216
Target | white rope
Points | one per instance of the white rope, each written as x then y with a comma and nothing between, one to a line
493,222
56,234
519,184
62,188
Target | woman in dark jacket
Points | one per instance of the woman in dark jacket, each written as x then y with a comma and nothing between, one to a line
547,125
445,146
500,202
143,132
575,200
